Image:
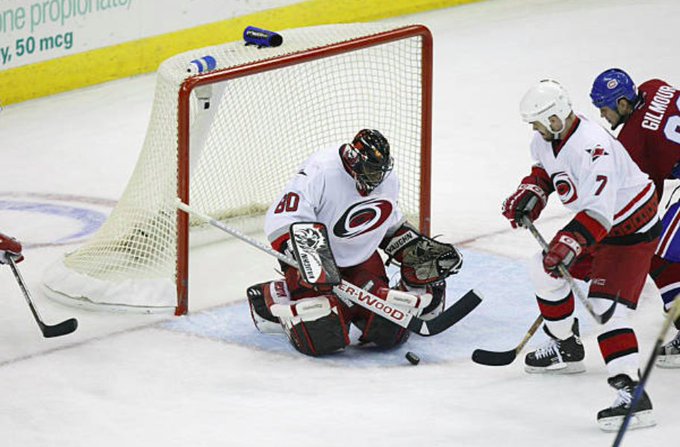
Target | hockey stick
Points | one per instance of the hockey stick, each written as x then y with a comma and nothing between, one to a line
348,292
493,358
48,331
602,319
673,314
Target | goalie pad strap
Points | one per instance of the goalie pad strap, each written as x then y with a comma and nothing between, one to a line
407,301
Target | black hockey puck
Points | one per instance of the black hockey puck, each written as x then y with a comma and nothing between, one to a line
412,358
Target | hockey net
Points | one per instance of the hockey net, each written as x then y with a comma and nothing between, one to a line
269,109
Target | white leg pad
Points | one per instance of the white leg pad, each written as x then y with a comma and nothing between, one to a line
406,301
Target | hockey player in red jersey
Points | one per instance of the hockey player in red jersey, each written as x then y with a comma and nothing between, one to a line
609,241
10,247
352,189
650,132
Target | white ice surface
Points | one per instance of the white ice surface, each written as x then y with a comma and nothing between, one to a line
210,379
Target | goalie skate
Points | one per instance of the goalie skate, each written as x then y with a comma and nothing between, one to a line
264,321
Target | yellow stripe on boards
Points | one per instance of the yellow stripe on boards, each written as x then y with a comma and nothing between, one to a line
144,55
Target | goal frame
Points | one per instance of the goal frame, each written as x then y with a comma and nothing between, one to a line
182,279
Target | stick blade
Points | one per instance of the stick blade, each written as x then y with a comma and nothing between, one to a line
602,319
491,358
460,309
57,330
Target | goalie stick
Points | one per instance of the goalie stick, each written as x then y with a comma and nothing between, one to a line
493,358
603,318
348,292
673,314
48,331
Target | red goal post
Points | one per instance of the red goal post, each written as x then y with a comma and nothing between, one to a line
268,108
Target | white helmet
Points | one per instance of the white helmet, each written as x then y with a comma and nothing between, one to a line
545,99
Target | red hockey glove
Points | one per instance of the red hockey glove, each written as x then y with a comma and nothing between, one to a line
572,241
565,247
10,247
529,199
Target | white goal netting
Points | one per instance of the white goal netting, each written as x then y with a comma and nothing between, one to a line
269,109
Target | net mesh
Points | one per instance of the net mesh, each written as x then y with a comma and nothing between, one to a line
243,149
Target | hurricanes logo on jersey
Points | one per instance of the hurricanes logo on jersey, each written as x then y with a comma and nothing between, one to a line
596,152
564,187
362,217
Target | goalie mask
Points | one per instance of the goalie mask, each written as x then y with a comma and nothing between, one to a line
367,159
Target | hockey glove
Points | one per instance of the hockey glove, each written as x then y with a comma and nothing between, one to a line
10,247
422,260
529,199
574,240
565,247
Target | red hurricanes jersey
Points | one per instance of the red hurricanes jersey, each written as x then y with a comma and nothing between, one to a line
652,133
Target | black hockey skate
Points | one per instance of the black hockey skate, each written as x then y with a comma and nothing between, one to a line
610,419
557,356
669,354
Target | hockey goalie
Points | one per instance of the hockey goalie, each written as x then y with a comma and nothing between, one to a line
352,191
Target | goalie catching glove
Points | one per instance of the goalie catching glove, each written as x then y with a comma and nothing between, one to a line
422,260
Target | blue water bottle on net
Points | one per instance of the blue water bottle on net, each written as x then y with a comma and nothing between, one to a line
261,37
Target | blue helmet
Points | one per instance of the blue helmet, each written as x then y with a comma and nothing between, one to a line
610,86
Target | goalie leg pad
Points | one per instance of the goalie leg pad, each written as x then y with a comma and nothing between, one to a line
417,301
316,326
378,330
438,302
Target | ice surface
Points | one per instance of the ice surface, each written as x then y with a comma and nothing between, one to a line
210,379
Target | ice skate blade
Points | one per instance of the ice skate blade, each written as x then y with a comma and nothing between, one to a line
558,368
668,361
641,419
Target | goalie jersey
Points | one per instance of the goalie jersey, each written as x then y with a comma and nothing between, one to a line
591,171
323,191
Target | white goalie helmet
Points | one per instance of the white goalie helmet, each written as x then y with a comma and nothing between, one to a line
543,100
